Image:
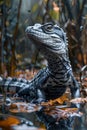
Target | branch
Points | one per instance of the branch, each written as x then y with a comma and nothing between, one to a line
18,16
79,18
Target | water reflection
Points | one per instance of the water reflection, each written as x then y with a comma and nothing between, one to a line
54,117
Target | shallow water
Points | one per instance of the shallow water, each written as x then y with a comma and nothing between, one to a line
30,118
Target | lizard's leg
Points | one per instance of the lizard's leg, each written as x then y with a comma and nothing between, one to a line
75,88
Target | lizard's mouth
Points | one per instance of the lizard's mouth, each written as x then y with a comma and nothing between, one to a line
40,36
34,34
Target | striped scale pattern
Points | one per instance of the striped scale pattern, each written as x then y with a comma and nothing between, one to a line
50,82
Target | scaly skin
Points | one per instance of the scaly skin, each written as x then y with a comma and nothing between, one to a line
52,81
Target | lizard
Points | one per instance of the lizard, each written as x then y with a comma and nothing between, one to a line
52,81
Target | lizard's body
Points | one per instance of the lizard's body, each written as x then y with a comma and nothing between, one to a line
52,81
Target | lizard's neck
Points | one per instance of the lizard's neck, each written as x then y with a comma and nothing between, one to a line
59,64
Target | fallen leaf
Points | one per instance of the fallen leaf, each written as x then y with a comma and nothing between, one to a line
58,101
24,107
62,113
79,100
9,121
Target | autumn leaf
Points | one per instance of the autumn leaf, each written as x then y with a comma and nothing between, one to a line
62,99
57,101
62,113
9,121
79,100
24,107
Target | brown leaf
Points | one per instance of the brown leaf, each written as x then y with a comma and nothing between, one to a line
24,107
79,100
62,113
57,101
9,121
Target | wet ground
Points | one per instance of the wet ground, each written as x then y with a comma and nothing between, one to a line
27,118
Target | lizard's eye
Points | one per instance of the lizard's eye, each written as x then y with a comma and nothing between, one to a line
48,28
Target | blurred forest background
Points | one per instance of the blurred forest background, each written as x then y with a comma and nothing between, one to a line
17,53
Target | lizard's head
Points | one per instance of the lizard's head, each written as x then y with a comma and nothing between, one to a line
48,36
